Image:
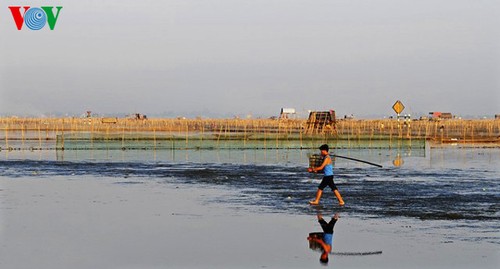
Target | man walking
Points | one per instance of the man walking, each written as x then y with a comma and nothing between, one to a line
327,167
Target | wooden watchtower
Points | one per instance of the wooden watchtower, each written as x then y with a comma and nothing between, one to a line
321,122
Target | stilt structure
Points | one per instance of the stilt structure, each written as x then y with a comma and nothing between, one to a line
321,122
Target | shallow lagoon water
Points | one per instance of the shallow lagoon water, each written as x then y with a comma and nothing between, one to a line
246,209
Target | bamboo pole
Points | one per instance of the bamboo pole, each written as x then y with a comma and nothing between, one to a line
154,138
39,137
472,135
123,136
23,135
91,121
62,134
7,137
187,134
390,136
245,136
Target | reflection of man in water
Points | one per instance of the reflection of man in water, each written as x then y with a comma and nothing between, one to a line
325,239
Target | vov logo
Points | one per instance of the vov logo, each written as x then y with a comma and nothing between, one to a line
35,18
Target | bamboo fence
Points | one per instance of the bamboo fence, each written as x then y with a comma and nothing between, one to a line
35,132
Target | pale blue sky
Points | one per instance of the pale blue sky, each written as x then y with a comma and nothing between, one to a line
232,57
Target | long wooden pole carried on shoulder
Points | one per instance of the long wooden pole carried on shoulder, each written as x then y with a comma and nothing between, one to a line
357,160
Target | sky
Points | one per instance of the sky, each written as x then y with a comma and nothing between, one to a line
222,58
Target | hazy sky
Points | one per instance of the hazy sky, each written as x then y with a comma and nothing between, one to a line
233,57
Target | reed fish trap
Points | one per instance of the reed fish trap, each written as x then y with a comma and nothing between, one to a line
315,160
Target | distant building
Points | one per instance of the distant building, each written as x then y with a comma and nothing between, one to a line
440,115
286,113
349,117
137,116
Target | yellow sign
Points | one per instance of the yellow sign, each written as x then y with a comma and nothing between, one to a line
398,107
